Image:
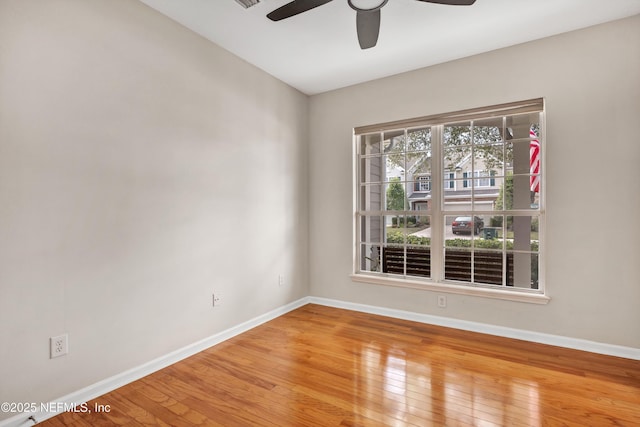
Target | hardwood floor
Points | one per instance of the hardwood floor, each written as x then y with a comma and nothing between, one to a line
319,366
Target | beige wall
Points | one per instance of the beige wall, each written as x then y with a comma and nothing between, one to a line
590,80
141,169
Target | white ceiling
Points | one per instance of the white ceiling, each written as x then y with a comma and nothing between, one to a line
318,51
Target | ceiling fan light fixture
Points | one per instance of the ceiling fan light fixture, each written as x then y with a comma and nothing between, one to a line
365,5
247,3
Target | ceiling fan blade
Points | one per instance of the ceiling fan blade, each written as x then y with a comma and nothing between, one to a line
294,8
368,26
451,2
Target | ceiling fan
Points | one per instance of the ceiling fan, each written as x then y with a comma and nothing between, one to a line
367,20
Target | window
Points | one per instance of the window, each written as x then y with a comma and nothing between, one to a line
468,211
449,183
423,183
483,178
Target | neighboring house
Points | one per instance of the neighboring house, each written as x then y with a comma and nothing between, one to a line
459,182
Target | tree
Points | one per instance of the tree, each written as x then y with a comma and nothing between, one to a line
505,197
487,141
395,196
504,201
412,151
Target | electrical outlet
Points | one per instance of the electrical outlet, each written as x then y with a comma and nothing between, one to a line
281,280
215,300
59,346
442,301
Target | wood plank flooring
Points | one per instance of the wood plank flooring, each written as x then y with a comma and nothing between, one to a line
320,366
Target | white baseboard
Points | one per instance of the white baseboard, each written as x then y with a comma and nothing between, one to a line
109,384
112,383
501,331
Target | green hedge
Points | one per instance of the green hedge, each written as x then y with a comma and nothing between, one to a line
398,237
394,236
484,244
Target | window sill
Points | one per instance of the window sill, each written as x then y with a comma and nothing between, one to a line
526,297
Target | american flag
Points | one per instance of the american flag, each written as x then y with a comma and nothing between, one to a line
534,162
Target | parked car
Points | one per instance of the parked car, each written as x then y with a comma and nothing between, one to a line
464,224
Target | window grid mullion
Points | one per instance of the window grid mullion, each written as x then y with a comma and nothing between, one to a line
437,195
473,200
406,207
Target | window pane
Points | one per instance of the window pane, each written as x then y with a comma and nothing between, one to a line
462,227
371,228
394,142
457,134
517,151
504,199
458,198
393,259
488,131
419,140
523,232
418,230
488,267
395,226
457,159
395,195
371,197
485,197
523,270
518,125
520,195
370,144
489,158
412,229
491,236
493,233
418,261
371,169
486,191
370,258
457,264
418,163
394,166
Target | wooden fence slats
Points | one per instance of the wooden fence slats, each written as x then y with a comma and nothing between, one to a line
487,265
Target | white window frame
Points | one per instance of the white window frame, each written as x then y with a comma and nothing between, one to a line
438,178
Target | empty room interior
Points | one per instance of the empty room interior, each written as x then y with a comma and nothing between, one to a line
319,213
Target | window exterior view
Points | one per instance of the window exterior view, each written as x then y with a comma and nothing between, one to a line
453,198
